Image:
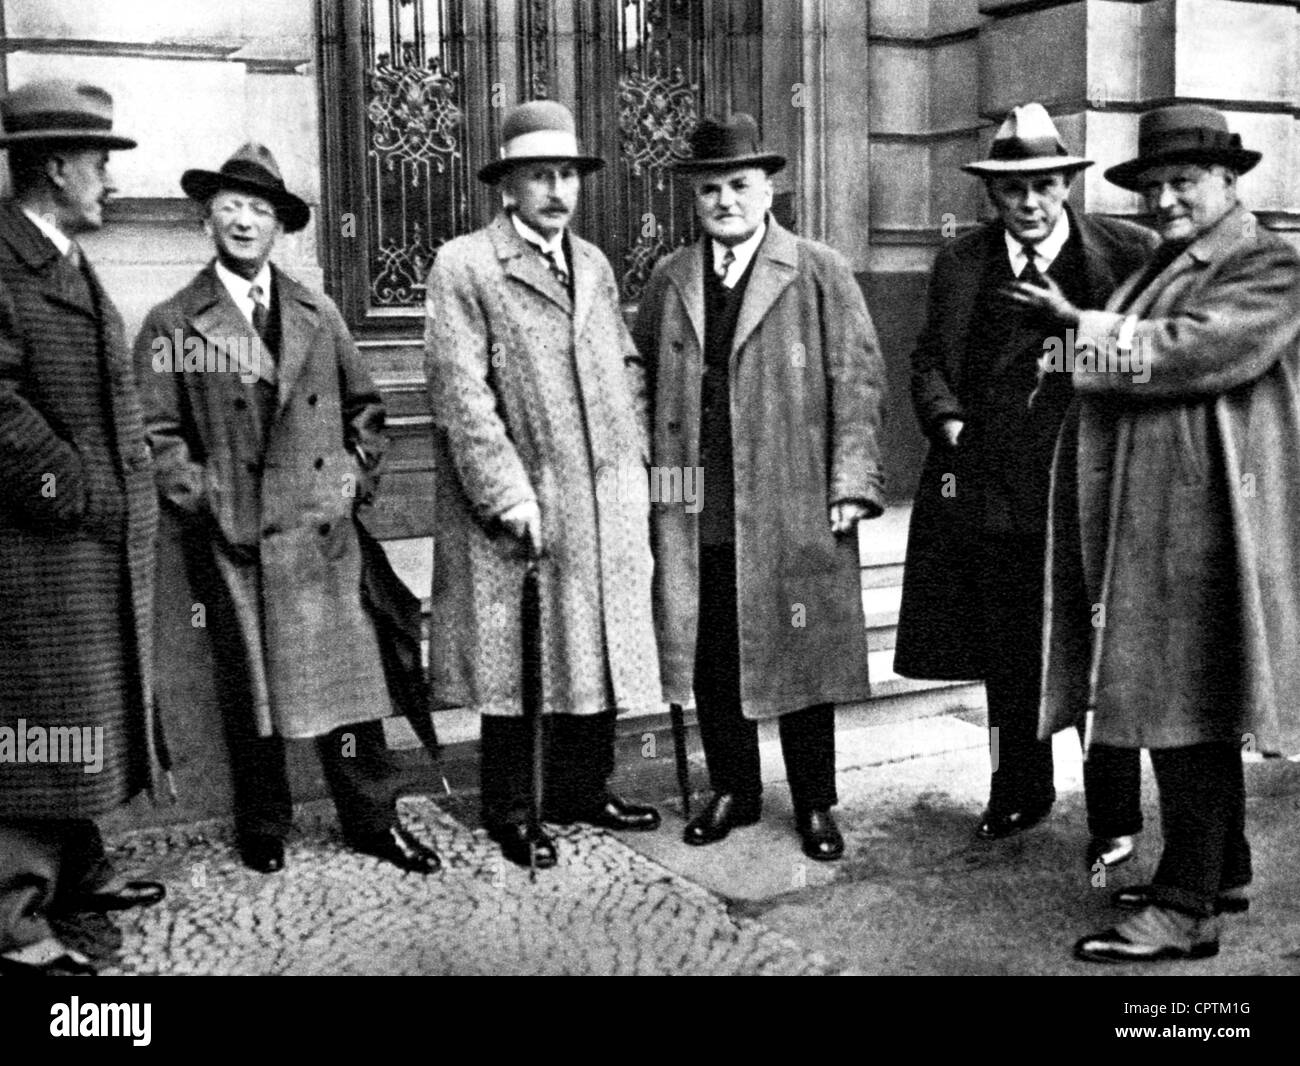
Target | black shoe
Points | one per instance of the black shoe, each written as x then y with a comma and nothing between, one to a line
725,811
1110,851
1230,901
88,933
618,814
131,894
524,845
262,853
1154,934
820,835
399,847
995,825
63,966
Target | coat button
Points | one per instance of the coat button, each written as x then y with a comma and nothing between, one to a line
311,400
270,531
324,529
252,467
318,463
241,404
678,346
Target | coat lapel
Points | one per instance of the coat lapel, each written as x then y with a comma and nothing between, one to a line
59,281
776,265
299,321
686,272
521,261
213,314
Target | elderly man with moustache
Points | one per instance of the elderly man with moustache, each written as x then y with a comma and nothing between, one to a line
973,579
538,408
77,527
766,376
1174,518
263,459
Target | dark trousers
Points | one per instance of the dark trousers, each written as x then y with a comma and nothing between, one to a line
1203,817
730,739
579,760
357,770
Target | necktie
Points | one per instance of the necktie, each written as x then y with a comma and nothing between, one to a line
259,311
724,267
1031,273
73,255
560,274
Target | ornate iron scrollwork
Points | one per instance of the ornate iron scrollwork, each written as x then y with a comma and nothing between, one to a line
656,116
413,115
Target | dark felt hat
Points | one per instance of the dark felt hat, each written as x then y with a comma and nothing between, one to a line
56,110
251,169
725,144
1183,133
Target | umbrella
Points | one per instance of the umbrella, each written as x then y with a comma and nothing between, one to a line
679,752
530,625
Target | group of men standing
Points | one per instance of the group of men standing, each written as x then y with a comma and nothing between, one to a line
753,373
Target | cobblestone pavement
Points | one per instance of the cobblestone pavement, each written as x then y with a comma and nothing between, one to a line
605,909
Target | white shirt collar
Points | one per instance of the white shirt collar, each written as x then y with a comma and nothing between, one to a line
555,245
239,287
61,240
744,252
1046,250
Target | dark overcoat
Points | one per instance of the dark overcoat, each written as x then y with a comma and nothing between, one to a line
78,518
267,458
1179,622
807,381
941,632
536,396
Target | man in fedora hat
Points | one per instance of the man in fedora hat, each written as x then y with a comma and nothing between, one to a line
769,380
77,531
973,578
539,439
1174,517
267,431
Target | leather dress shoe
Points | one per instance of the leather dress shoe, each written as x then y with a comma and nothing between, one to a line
67,964
616,813
397,846
87,934
130,894
1110,851
262,853
725,811
1229,901
820,835
524,844
995,825
1154,934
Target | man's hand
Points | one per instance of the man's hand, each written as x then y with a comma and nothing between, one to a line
950,431
846,514
524,520
1047,297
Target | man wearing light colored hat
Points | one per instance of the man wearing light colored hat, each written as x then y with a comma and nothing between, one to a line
538,408
1177,524
77,534
973,579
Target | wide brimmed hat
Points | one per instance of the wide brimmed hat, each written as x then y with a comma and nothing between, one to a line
725,144
540,130
251,169
61,111
1183,133
1027,143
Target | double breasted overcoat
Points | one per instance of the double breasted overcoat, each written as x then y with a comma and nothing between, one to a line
536,396
1173,606
78,520
266,456
940,630
807,381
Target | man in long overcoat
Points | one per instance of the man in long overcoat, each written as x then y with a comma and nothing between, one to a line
539,445
267,430
767,386
1174,592
77,526
973,579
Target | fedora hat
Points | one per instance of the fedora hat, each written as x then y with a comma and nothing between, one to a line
251,169
1182,133
1026,143
535,131
724,144
61,111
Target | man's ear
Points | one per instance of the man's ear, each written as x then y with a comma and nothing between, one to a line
54,165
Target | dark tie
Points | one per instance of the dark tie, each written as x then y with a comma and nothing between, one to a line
560,275
74,256
728,259
1031,274
259,311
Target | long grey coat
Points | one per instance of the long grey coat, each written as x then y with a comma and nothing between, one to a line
536,397
77,526
807,382
274,501
1187,509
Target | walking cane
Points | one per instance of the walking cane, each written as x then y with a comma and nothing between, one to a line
531,637
679,751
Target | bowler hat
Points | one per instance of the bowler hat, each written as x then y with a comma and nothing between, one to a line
1182,133
536,131
725,144
251,169
1027,143
61,111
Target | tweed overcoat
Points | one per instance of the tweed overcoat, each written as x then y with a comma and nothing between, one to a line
271,480
536,397
807,381
940,632
1175,617
78,521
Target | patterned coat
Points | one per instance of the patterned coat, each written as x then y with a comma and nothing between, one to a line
78,518
266,469
536,398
